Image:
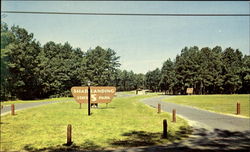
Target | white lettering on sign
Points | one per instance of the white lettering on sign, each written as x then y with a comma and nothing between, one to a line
102,90
82,97
104,97
80,90
99,94
93,97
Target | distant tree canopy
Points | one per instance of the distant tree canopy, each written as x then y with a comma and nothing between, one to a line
29,70
208,71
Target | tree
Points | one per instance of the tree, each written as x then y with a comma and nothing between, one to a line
101,66
245,75
6,38
152,80
167,76
23,72
187,65
60,68
232,63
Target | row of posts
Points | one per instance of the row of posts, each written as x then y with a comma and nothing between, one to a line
165,125
174,111
69,132
159,110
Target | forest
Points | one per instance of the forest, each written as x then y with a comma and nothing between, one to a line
30,70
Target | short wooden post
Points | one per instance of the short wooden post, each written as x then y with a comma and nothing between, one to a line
159,108
165,129
69,135
1,106
80,106
238,108
12,109
174,115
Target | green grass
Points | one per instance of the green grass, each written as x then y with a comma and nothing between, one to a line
124,123
217,103
29,101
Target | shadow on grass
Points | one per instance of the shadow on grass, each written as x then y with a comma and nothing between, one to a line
85,147
202,141
143,138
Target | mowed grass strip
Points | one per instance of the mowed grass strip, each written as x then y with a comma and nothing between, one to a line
124,123
217,103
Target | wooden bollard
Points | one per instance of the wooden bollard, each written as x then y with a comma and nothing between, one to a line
69,135
12,109
238,108
165,129
80,106
174,115
159,108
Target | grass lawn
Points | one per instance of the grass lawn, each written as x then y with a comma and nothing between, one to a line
28,101
124,123
217,103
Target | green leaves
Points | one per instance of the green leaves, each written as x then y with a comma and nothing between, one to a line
207,71
101,65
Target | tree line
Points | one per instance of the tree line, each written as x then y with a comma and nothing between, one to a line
206,70
30,70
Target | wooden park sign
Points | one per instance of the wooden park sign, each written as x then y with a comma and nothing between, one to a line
98,94
190,90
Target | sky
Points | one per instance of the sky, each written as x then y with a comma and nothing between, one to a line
142,42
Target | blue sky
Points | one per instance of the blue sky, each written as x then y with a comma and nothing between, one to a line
143,43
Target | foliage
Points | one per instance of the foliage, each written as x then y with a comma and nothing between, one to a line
208,71
29,70
153,79
22,64
101,66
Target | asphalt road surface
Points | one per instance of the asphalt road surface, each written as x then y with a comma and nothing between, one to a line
211,131
21,106
202,118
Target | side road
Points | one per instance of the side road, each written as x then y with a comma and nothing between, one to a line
211,131
21,106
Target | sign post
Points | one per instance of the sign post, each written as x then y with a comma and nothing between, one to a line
89,98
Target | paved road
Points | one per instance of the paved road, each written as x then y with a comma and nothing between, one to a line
121,94
22,106
211,131
202,118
